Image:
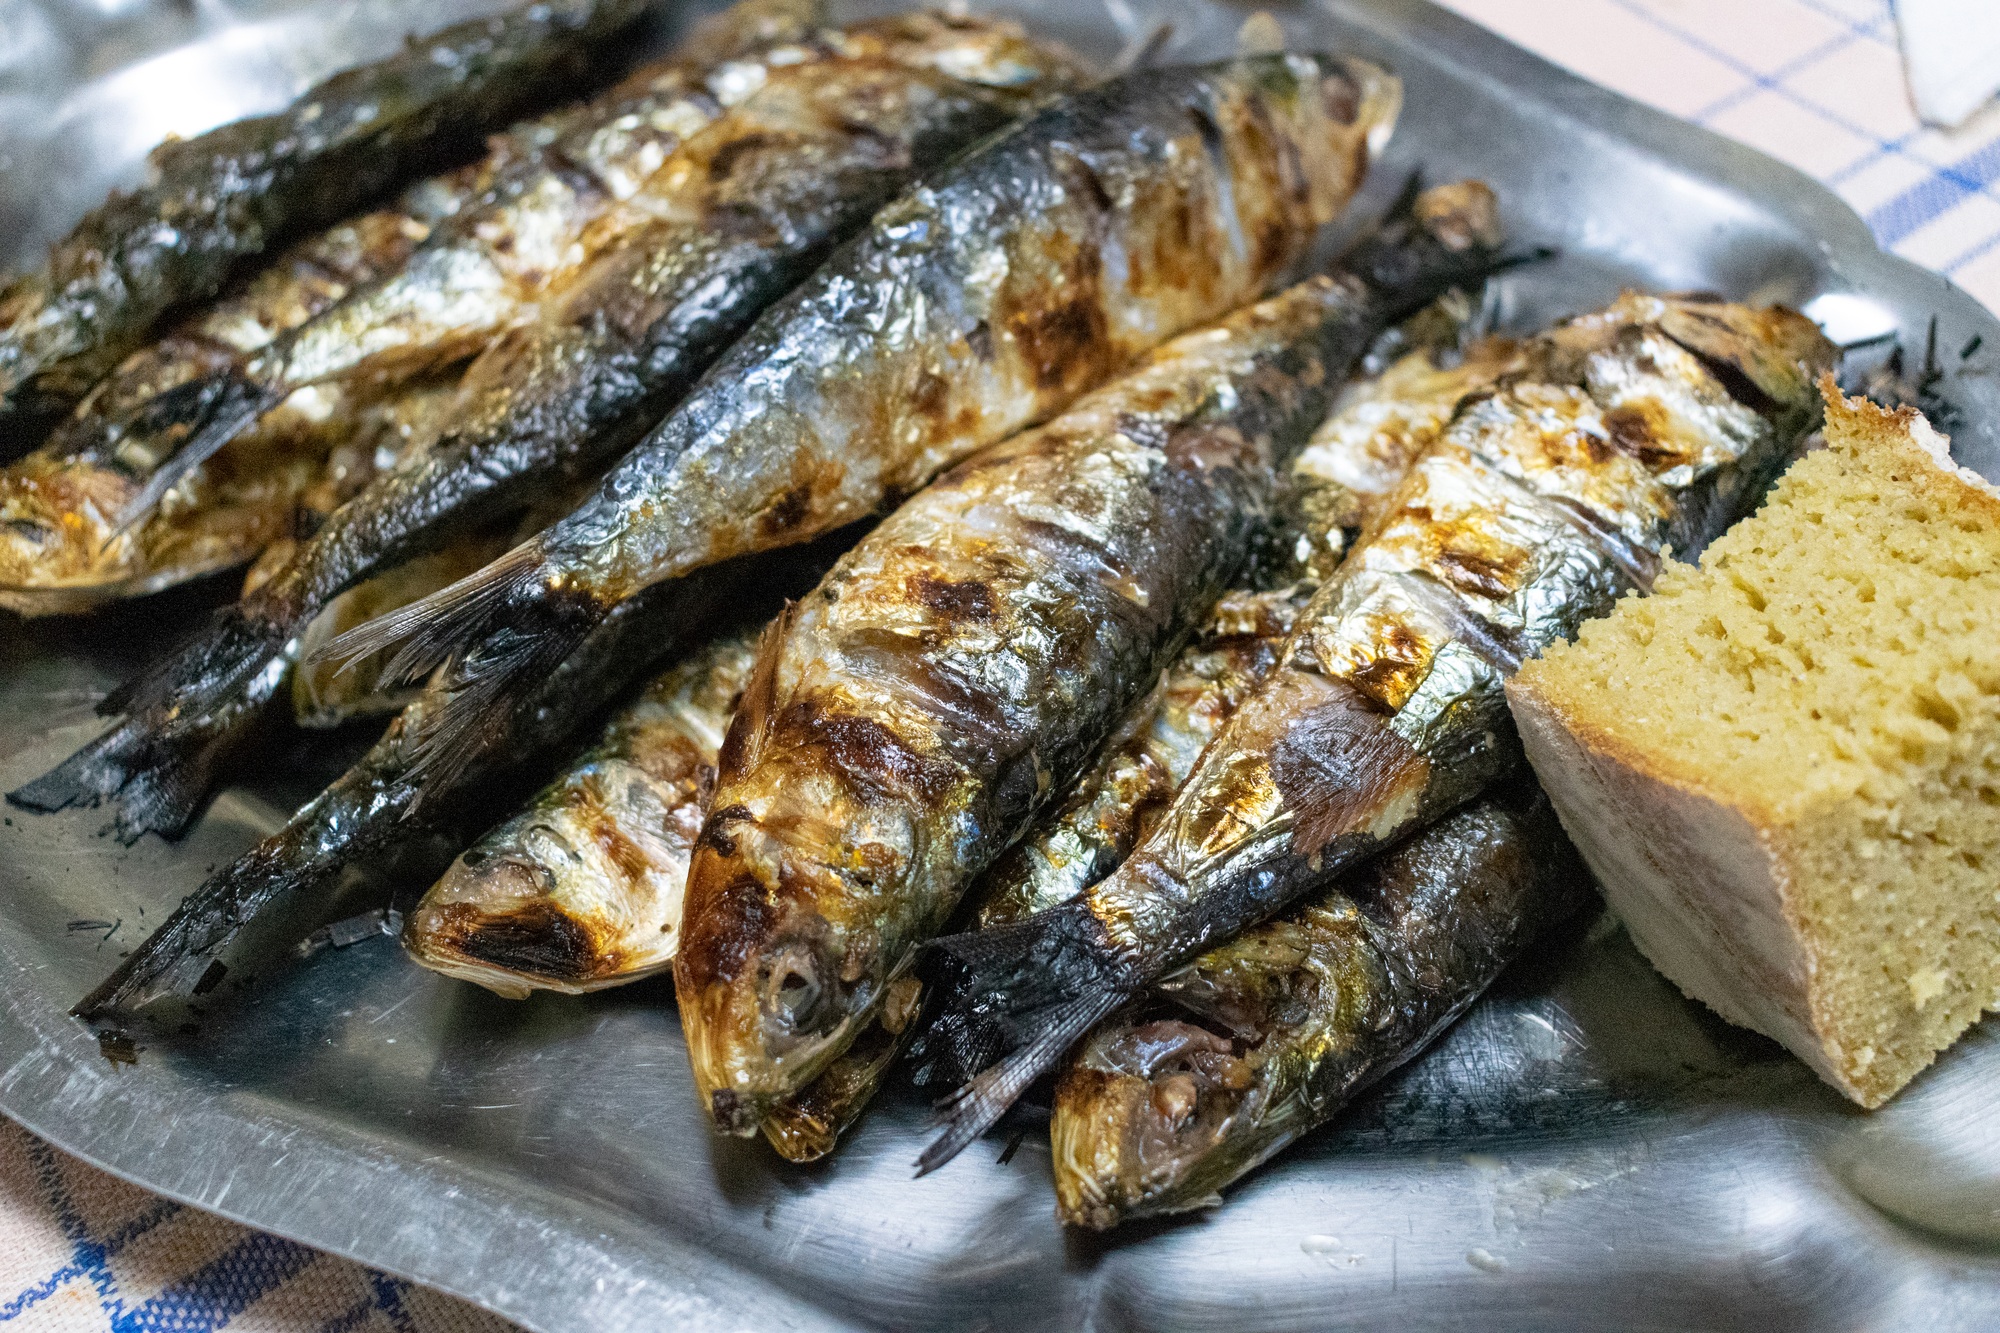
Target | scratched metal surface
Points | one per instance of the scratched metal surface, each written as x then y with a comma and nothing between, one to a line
1586,1150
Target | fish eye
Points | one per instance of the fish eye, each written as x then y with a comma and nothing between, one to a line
795,998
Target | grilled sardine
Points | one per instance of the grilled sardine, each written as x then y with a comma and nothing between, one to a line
761,195
972,307
965,661
222,198
1260,1041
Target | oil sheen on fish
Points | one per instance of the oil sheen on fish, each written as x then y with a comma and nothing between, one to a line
1336,485
1644,427
582,888
64,545
384,807
977,304
964,662
1260,1041
762,194
224,197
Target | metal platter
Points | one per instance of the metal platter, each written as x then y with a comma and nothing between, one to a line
1586,1149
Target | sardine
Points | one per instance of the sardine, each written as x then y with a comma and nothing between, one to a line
582,889
964,662
385,806
1258,1042
559,192
222,198
762,194
972,307
1339,482
1644,428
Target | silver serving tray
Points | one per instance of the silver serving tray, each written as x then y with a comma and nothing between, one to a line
1586,1150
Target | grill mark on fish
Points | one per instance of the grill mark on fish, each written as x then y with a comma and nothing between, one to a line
1305,779
222,198
554,401
984,640
1013,237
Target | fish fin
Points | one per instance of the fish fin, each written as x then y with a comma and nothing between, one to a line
182,717
479,694
179,958
978,1106
430,629
755,706
218,407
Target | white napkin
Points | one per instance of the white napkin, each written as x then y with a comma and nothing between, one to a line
1951,55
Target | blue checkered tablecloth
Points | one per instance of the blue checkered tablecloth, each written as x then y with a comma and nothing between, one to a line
1816,83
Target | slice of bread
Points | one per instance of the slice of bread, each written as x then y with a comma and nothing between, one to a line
1784,765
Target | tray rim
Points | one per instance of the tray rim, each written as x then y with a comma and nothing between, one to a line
54,1083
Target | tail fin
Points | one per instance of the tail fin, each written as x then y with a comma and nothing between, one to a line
516,638
1029,991
217,408
183,717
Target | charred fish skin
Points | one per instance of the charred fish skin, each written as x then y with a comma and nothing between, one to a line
66,543
1259,1042
554,401
388,804
1338,483
226,196
964,662
582,888
975,305
548,194
1541,504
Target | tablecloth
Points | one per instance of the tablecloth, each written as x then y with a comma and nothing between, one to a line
1816,83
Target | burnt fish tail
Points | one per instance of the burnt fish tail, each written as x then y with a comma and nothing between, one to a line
222,198
964,663
977,304
1256,1043
1639,429
385,806
547,195
1334,486
799,163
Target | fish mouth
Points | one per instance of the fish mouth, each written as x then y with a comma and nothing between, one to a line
1140,1119
494,923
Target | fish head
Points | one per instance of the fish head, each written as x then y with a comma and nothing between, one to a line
1336,112
59,524
788,952
1143,1117
580,891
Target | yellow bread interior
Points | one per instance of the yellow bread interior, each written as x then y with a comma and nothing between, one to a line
1784,764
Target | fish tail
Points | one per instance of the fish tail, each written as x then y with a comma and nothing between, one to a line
1028,992
217,408
517,635
181,720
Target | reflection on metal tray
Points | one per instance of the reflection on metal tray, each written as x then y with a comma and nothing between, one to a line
1586,1150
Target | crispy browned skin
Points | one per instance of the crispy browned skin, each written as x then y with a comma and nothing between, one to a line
1260,1041
747,209
224,197
963,663
975,305
1644,427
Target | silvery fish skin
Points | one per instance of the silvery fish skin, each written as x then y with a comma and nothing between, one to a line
386,808
222,198
64,543
1338,483
800,163
1347,471
1643,428
1258,1042
582,888
964,662
974,306
553,193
